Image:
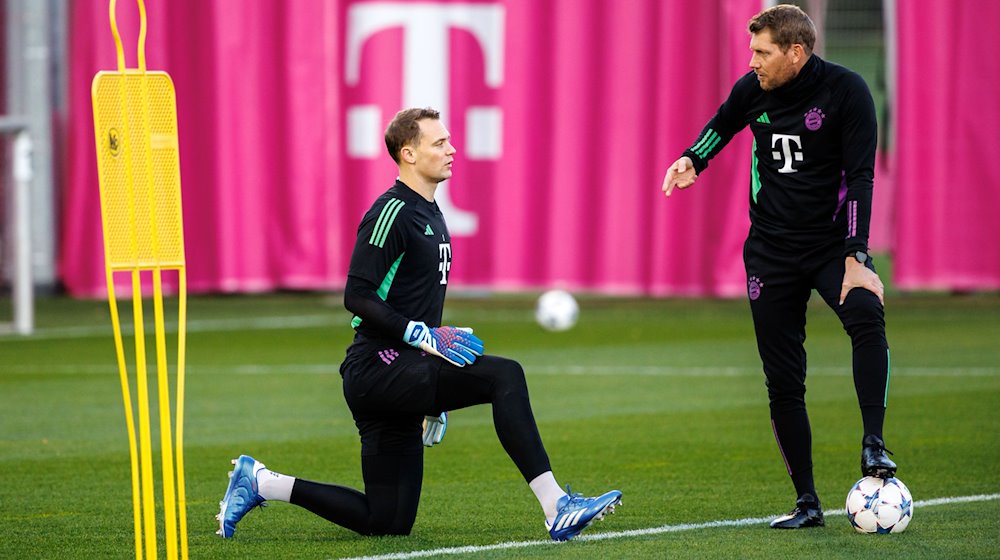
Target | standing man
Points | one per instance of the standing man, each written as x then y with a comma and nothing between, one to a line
814,132
404,369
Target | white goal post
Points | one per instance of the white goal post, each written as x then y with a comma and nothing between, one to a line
17,230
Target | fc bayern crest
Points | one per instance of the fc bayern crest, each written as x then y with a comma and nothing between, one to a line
814,119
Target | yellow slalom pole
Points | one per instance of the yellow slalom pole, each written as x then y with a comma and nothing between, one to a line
145,437
129,420
181,342
120,52
166,439
116,326
141,48
163,385
147,492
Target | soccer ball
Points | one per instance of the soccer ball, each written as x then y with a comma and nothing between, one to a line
557,310
879,505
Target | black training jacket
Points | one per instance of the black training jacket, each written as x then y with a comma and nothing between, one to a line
813,155
400,265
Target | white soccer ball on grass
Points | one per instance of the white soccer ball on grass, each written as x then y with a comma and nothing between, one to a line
879,505
557,310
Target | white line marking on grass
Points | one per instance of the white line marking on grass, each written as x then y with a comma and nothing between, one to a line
956,500
651,371
247,369
451,551
745,371
206,325
642,371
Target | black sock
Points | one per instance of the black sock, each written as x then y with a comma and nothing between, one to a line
794,437
873,417
804,484
871,381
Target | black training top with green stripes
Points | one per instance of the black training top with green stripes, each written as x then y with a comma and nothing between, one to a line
400,265
813,156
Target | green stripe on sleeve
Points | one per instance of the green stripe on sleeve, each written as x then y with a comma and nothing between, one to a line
707,142
711,146
704,140
383,288
754,173
888,374
381,230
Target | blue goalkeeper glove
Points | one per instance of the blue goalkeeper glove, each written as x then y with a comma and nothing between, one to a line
434,429
456,345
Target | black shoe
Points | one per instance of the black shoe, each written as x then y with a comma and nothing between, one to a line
874,461
807,513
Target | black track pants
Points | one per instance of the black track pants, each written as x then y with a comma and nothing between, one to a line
389,391
779,287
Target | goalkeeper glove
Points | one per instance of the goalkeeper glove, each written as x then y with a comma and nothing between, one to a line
434,429
456,345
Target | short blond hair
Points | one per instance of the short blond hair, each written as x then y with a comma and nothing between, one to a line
788,25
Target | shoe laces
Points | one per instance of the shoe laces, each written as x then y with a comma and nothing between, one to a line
576,499
881,447
875,444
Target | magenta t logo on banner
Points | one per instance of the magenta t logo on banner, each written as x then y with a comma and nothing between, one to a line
426,63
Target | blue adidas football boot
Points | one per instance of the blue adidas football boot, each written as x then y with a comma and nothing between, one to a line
575,513
241,495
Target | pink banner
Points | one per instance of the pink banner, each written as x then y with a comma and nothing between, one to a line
565,115
946,166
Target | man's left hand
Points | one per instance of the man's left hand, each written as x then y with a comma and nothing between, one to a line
434,429
857,275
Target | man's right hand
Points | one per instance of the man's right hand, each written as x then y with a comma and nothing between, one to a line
680,174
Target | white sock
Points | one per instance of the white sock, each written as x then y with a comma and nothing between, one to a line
272,485
548,492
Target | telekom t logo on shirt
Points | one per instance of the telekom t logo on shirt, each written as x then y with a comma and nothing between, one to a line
426,65
786,141
444,265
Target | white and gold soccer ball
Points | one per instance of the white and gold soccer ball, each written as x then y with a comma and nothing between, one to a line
879,505
557,310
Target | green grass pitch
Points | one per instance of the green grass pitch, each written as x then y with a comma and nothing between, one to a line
663,399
